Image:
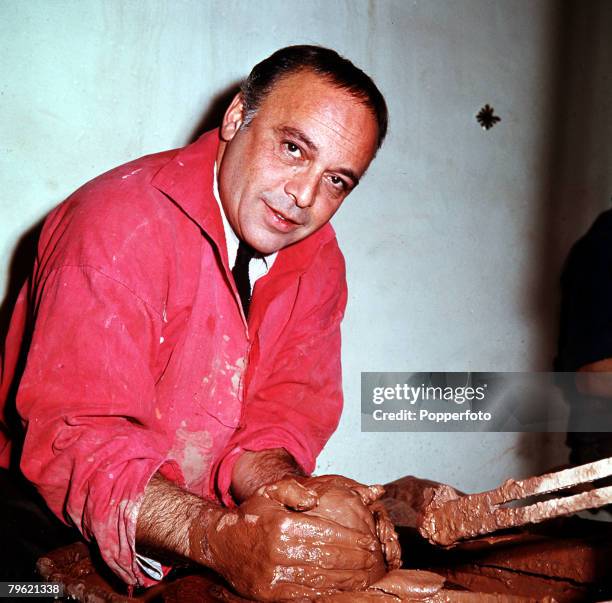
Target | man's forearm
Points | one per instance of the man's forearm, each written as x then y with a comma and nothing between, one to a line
253,545
255,469
168,517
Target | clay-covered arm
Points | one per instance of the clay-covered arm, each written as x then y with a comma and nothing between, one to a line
166,516
262,548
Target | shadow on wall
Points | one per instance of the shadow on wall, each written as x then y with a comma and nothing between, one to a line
20,268
214,115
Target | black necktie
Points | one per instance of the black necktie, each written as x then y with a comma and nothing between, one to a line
241,274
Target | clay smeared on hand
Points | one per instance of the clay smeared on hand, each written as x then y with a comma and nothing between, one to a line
268,551
347,503
357,507
343,505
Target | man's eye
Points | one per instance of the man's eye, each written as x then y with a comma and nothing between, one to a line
293,149
337,182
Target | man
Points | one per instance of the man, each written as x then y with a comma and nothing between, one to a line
155,389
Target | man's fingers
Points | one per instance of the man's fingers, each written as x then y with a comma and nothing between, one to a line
387,536
318,530
325,557
291,494
393,554
345,510
344,579
369,494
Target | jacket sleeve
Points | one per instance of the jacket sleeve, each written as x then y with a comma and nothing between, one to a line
294,397
87,397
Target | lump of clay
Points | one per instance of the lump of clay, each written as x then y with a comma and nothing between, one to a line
358,597
397,585
346,508
405,498
410,584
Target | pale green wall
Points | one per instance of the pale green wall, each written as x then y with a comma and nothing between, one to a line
444,239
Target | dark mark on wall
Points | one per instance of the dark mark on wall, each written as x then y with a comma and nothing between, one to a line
486,117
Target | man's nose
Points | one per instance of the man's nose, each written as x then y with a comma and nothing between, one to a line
303,187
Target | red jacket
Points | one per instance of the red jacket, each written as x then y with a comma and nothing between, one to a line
141,360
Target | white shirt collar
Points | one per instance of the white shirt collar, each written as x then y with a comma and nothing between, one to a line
259,266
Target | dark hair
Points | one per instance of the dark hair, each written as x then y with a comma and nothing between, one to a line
322,61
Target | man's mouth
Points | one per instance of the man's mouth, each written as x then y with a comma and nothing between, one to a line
284,218
281,221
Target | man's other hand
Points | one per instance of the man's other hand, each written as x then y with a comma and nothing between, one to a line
337,500
346,502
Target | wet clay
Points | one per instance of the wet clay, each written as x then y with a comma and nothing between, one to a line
428,587
510,583
444,596
198,589
568,558
343,500
565,560
387,536
83,581
73,567
468,517
571,559
447,517
410,584
405,498
415,586
397,585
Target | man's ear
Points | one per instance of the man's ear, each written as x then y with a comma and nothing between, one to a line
233,118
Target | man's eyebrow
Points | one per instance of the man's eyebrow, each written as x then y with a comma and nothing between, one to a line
303,138
349,174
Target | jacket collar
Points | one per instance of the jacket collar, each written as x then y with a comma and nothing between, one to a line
187,179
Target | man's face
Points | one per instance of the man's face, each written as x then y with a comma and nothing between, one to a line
285,175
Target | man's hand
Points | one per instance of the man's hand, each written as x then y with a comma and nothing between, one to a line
271,467
346,502
268,551
374,511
